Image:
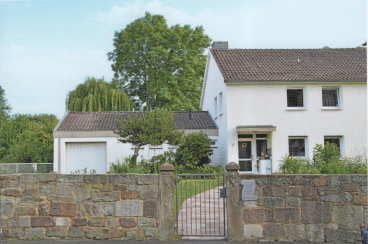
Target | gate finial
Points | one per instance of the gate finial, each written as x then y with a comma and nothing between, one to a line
167,168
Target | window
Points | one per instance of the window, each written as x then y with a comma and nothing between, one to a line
220,103
245,135
330,97
213,143
295,98
334,140
215,106
297,146
261,147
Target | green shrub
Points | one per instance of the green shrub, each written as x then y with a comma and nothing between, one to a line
194,151
325,160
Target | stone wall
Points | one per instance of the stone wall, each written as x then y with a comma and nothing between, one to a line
313,208
51,206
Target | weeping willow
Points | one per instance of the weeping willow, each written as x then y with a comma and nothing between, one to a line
96,95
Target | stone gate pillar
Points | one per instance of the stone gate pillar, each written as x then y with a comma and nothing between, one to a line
234,203
166,203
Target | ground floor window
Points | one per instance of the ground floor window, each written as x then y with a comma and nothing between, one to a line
335,140
297,146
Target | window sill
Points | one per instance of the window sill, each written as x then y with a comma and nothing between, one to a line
296,109
331,108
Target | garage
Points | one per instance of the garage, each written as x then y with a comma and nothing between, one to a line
90,155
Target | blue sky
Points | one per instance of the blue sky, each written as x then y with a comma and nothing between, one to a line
48,47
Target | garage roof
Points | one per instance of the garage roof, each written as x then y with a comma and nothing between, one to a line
105,121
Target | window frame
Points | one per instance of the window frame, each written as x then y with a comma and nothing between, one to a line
220,104
304,107
341,142
338,106
215,108
305,138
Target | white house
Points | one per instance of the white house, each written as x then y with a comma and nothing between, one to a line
281,101
86,139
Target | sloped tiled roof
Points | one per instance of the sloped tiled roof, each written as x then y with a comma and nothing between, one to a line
348,64
103,121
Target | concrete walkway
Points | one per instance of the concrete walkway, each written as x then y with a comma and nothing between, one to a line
203,214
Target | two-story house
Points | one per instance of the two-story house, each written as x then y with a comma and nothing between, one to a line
285,101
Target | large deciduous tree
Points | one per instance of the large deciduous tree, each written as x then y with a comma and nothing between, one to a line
97,95
160,66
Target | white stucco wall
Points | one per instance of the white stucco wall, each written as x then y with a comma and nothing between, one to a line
267,105
214,86
114,150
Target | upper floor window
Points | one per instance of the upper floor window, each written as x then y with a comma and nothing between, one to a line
220,103
330,97
295,98
215,106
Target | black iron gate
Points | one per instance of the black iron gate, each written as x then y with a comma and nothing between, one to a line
201,205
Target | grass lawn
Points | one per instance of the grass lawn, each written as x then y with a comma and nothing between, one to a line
192,185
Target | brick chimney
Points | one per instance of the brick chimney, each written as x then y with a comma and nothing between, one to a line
220,45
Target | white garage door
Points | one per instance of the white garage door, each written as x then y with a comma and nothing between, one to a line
90,155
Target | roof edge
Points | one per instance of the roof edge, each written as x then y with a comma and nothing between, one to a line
61,121
266,82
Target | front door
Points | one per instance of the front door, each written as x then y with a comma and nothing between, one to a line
250,148
245,155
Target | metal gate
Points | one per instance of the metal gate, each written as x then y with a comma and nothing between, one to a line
201,205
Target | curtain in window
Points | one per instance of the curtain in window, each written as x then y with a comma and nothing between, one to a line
329,97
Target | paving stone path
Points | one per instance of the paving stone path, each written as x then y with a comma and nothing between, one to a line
203,214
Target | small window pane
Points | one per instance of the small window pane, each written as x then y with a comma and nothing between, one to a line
245,149
213,143
297,147
261,147
261,135
295,98
335,141
245,165
245,136
330,97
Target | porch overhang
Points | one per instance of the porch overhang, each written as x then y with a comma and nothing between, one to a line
242,129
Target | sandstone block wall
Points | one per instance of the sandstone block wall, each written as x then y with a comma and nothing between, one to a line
52,206
313,208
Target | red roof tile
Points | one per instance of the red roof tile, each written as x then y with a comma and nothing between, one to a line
96,121
348,64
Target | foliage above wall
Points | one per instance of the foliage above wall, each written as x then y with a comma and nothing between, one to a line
325,160
27,138
97,95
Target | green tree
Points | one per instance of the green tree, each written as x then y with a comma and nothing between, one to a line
160,66
27,139
4,107
195,150
96,95
152,128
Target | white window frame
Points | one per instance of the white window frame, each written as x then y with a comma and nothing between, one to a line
339,100
341,139
215,143
304,99
215,108
220,104
305,145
